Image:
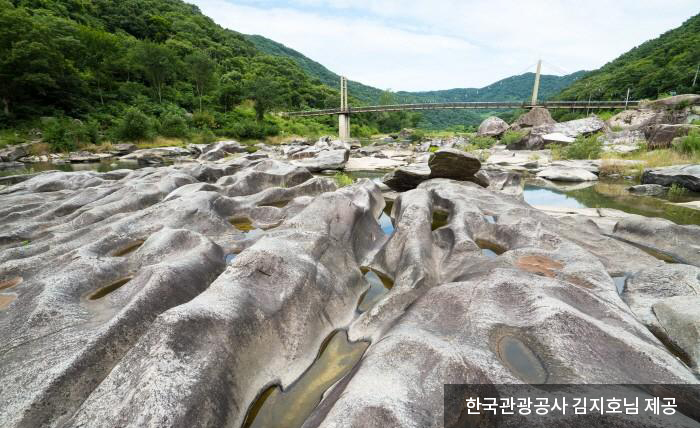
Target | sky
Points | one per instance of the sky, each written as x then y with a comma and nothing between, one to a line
416,45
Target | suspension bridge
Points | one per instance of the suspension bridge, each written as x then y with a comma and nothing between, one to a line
344,111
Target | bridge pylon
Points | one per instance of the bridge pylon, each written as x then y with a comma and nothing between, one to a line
536,88
344,116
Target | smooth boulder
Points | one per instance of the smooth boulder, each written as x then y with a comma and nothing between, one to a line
535,117
407,177
687,176
492,127
560,173
454,164
325,159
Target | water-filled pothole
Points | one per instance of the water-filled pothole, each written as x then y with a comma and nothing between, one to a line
6,299
276,204
620,282
539,265
521,360
379,286
230,257
490,219
245,225
102,292
489,249
129,248
386,224
12,282
290,408
440,218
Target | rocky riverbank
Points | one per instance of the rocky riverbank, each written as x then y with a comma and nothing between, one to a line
188,294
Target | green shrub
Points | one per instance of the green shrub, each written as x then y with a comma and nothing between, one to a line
251,149
433,149
583,148
342,179
483,142
204,119
134,126
417,136
174,126
205,136
65,134
676,191
690,144
511,137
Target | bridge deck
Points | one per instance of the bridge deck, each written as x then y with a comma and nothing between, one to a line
491,105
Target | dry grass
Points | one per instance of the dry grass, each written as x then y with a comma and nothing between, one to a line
38,149
161,142
657,158
99,148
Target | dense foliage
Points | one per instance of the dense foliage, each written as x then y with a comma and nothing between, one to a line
662,65
112,62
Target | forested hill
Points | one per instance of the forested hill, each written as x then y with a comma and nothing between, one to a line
511,88
514,88
662,65
94,59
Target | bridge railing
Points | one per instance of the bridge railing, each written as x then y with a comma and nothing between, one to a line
492,105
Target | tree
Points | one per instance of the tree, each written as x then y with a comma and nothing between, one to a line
201,69
157,62
265,91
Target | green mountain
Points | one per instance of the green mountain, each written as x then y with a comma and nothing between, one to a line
662,65
95,60
514,88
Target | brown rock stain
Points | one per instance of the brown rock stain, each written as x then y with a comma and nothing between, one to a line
539,265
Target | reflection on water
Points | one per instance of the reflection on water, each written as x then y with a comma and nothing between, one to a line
620,283
275,408
521,360
614,195
105,166
379,286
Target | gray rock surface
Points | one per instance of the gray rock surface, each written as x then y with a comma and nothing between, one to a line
535,117
668,240
174,296
14,152
221,149
325,159
492,126
562,173
660,136
635,119
687,176
680,319
578,127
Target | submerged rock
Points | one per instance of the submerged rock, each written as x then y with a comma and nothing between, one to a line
648,189
687,176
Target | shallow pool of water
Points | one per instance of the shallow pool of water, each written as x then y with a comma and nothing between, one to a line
605,194
290,408
105,166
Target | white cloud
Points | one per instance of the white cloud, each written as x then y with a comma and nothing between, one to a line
439,44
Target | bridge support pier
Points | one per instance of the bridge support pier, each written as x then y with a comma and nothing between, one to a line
344,116
344,126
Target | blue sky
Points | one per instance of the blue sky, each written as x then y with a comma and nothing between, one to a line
440,44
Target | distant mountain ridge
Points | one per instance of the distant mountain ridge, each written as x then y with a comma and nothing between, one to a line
513,88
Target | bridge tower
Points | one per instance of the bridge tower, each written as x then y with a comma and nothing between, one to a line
344,116
536,88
